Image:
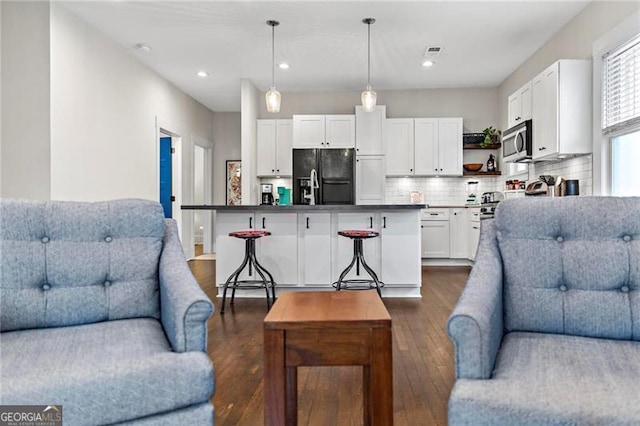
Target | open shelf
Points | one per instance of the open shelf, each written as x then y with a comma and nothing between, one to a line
477,146
480,174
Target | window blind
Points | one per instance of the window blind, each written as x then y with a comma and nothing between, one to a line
621,87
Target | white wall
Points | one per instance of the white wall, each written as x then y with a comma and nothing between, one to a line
104,109
25,134
478,107
226,146
249,101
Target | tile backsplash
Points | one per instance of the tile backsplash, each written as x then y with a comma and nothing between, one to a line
436,190
580,168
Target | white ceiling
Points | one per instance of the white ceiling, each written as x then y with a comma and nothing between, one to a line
326,42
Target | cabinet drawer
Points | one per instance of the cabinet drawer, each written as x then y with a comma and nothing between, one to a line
474,215
435,214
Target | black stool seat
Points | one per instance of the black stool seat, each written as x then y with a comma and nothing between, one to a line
252,263
357,236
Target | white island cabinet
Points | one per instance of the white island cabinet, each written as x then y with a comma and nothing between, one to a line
305,252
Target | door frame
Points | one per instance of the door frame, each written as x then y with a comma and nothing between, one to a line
163,126
208,240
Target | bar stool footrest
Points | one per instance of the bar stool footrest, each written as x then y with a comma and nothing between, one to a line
357,284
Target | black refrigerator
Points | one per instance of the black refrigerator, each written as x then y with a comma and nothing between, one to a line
335,169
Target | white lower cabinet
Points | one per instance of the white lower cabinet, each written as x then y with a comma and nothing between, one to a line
230,250
304,250
278,252
474,232
316,249
371,246
400,249
435,239
458,233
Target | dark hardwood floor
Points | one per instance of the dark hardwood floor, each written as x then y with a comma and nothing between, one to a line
422,359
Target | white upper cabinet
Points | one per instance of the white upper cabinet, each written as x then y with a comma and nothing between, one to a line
324,131
438,146
519,107
399,146
370,180
449,146
274,139
370,131
561,111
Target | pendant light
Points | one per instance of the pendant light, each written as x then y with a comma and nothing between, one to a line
368,96
273,96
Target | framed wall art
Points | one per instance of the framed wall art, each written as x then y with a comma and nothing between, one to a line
234,182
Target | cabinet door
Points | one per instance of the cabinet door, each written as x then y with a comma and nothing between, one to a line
450,146
308,131
400,242
340,131
316,249
458,234
371,246
474,238
435,239
525,102
266,150
230,250
284,145
544,95
370,179
426,146
400,147
370,131
514,109
278,253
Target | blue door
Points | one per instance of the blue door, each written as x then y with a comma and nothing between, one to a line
165,176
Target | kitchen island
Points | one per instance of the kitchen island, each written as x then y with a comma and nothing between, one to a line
304,251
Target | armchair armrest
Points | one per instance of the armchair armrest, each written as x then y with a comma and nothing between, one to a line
184,307
476,324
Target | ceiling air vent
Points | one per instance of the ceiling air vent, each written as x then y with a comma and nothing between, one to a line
432,51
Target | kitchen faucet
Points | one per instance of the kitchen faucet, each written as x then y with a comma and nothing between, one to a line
313,184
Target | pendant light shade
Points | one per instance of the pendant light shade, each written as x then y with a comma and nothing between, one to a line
368,97
272,97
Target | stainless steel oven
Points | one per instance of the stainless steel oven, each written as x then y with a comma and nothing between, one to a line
517,143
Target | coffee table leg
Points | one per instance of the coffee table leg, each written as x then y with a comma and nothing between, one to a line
274,378
379,378
292,396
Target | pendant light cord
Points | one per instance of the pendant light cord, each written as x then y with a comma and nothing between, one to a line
368,54
273,56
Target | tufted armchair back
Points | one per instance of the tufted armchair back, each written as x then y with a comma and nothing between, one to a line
571,265
67,263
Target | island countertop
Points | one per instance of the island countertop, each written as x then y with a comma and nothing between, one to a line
304,207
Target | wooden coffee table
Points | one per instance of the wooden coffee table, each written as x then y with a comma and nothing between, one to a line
327,328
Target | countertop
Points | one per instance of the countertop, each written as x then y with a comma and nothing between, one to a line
332,207
454,206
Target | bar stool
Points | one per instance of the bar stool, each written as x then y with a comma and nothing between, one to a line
250,260
358,258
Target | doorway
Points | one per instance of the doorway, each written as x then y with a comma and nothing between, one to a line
166,175
202,194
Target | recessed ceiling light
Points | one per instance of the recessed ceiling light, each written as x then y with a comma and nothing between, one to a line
202,74
428,63
284,66
143,47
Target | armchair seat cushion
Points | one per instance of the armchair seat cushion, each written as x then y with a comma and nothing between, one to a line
553,379
102,372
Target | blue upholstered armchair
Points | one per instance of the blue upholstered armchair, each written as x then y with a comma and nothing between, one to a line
100,314
547,330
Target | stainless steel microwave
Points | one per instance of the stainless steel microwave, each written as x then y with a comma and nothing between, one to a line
517,143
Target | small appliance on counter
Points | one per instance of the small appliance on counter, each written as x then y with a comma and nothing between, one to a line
472,190
537,188
266,197
284,196
490,201
565,187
